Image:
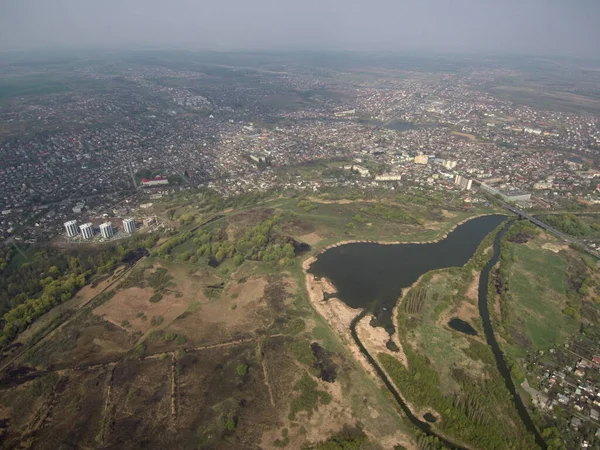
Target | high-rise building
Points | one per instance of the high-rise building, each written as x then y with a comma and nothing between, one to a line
463,182
71,227
87,230
107,230
129,225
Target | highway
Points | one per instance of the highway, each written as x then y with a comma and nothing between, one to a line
548,228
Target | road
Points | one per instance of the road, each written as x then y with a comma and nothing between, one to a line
548,228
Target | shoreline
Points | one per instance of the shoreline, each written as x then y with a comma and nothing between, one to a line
371,241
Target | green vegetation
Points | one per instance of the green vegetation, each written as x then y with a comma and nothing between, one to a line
230,424
241,369
450,372
308,397
301,351
575,225
170,337
156,320
157,297
347,439
306,205
260,242
538,290
32,285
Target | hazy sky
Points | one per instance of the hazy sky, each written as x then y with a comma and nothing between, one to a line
566,27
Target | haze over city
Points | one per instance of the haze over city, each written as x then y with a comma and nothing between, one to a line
557,27
318,225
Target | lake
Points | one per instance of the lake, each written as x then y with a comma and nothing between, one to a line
372,276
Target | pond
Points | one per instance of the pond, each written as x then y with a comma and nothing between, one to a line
460,325
372,276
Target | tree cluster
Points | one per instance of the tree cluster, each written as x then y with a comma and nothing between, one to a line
31,285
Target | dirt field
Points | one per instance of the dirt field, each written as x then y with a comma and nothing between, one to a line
127,305
217,371
468,136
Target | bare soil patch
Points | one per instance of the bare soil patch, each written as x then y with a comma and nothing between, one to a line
468,136
311,238
127,304
237,313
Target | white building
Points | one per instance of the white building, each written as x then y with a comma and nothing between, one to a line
71,227
449,164
129,225
160,180
78,208
87,230
421,159
354,168
107,230
388,177
463,182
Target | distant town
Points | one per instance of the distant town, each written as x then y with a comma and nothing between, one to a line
84,154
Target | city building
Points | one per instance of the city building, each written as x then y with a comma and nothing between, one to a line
78,208
87,230
150,221
421,159
129,225
71,227
360,169
464,183
107,230
159,180
388,177
449,164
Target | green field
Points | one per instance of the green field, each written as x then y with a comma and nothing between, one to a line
31,85
449,372
538,287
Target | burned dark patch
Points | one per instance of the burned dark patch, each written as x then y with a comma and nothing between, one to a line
134,256
275,294
323,363
522,237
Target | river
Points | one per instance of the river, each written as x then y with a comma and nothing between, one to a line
371,276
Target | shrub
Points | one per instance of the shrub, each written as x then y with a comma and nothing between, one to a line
241,369
170,337
156,320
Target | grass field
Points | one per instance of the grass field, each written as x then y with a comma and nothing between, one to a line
430,335
451,374
538,287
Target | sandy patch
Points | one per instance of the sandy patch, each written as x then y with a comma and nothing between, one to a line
126,305
310,238
376,338
553,247
337,314
465,135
